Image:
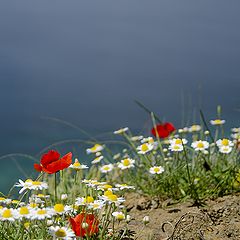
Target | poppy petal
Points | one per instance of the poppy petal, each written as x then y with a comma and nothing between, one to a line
60,164
162,132
169,127
49,157
37,167
75,227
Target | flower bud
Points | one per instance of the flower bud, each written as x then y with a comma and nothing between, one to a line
146,220
64,197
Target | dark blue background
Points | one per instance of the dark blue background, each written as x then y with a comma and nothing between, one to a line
86,61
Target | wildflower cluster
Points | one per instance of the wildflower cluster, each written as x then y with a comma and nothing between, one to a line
69,207
178,163
71,200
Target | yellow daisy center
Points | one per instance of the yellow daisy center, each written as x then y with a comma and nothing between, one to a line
112,197
7,213
15,201
178,141
41,212
41,195
77,164
107,193
36,183
156,169
59,207
225,142
120,216
24,211
126,162
95,147
106,168
200,145
107,186
218,121
60,233
29,181
2,198
33,205
194,127
144,147
89,199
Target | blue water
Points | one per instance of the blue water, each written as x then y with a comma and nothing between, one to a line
86,61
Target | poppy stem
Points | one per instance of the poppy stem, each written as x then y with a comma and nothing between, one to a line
55,186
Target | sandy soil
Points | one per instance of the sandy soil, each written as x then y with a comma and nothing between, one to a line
217,220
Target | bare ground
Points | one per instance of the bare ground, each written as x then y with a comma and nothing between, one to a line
217,220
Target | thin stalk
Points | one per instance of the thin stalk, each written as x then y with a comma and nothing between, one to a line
55,187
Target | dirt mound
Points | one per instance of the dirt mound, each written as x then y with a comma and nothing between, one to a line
217,220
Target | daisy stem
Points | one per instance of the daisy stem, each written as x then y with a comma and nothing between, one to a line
193,191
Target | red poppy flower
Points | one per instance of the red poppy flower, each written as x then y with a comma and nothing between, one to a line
163,130
90,228
51,162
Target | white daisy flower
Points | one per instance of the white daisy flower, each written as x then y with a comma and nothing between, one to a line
60,209
31,185
183,130
61,233
33,205
5,200
178,141
235,136
124,186
96,205
126,163
200,145
82,201
96,148
136,138
149,140
77,166
104,187
176,147
217,122
224,143
106,168
97,159
145,148
121,130
109,197
8,214
225,149
92,183
156,170
24,212
41,213
194,128
119,215
236,130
